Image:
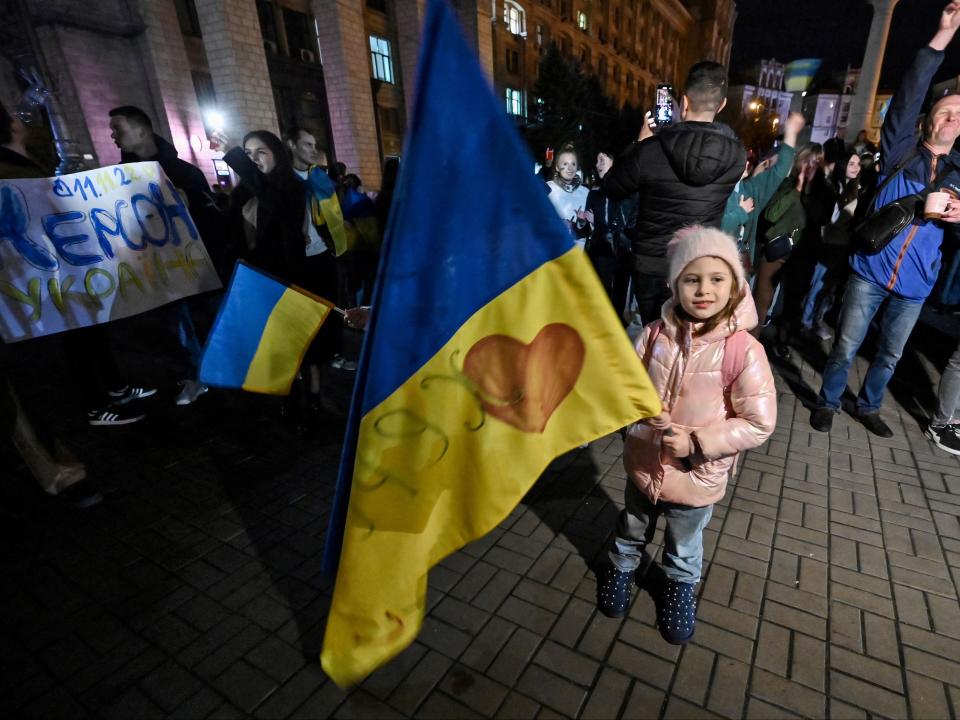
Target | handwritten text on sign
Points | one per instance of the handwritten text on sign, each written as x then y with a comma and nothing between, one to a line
95,246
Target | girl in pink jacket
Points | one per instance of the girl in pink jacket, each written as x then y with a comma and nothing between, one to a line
719,400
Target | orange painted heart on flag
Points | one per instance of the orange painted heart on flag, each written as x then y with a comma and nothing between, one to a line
522,384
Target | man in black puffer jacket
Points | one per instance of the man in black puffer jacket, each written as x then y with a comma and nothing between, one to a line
682,175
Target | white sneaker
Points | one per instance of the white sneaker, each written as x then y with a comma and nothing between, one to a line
339,362
129,394
191,391
113,416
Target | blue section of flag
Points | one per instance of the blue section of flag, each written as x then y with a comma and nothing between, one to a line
356,205
235,336
469,220
459,224
319,183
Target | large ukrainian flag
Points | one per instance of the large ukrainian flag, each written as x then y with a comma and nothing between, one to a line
491,350
261,333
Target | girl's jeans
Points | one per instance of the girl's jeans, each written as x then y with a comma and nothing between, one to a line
683,542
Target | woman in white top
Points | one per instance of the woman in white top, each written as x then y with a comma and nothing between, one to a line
569,196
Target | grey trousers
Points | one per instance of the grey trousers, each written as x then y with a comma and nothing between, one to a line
948,394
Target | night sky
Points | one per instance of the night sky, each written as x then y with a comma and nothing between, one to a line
836,31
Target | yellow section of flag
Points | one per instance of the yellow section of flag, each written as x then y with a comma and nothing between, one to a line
539,370
289,330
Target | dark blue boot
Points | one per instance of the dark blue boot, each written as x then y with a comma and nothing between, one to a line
677,612
614,591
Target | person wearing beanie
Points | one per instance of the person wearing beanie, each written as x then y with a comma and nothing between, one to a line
719,400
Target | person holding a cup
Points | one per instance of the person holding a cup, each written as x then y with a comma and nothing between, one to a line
902,274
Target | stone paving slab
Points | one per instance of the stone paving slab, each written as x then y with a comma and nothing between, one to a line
194,591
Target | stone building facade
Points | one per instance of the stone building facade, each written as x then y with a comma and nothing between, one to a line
629,45
342,68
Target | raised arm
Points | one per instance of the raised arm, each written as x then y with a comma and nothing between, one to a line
897,134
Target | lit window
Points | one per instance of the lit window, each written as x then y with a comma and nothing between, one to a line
514,17
380,59
514,102
539,35
582,20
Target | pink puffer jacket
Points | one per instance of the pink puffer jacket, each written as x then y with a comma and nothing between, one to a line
687,375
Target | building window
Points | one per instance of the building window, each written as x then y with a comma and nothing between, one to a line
206,96
380,59
602,68
513,61
582,20
300,39
565,13
268,23
539,35
514,17
390,121
378,5
187,17
514,102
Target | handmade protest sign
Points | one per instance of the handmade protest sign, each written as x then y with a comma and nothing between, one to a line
95,246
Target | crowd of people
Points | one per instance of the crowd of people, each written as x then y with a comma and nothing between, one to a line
271,219
679,227
693,223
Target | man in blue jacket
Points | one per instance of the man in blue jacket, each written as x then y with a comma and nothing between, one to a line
903,273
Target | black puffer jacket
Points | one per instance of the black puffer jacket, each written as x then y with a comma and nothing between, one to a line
682,176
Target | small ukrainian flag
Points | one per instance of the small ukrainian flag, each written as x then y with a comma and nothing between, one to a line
261,333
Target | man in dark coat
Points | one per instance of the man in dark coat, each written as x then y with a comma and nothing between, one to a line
682,176
132,131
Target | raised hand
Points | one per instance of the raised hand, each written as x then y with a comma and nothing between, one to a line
950,18
792,127
949,22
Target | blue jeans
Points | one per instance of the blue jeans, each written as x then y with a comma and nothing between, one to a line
683,542
185,316
861,302
815,306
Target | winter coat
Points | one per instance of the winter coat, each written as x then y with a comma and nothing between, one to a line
609,221
190,180
683,176
761,188
567,203
908,266
687,375
280,244
14,166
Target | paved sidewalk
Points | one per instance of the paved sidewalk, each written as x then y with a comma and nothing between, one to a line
193,590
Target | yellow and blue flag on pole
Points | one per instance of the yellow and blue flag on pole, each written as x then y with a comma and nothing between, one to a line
491,349
261,333
800,73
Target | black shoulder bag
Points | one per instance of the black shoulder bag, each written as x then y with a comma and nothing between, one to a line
882,225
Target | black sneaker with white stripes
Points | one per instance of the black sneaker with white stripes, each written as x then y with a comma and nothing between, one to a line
129,393
113,416
945,437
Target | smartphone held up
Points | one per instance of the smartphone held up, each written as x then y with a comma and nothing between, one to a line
663,114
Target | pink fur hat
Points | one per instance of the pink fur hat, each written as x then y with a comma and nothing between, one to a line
697,241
